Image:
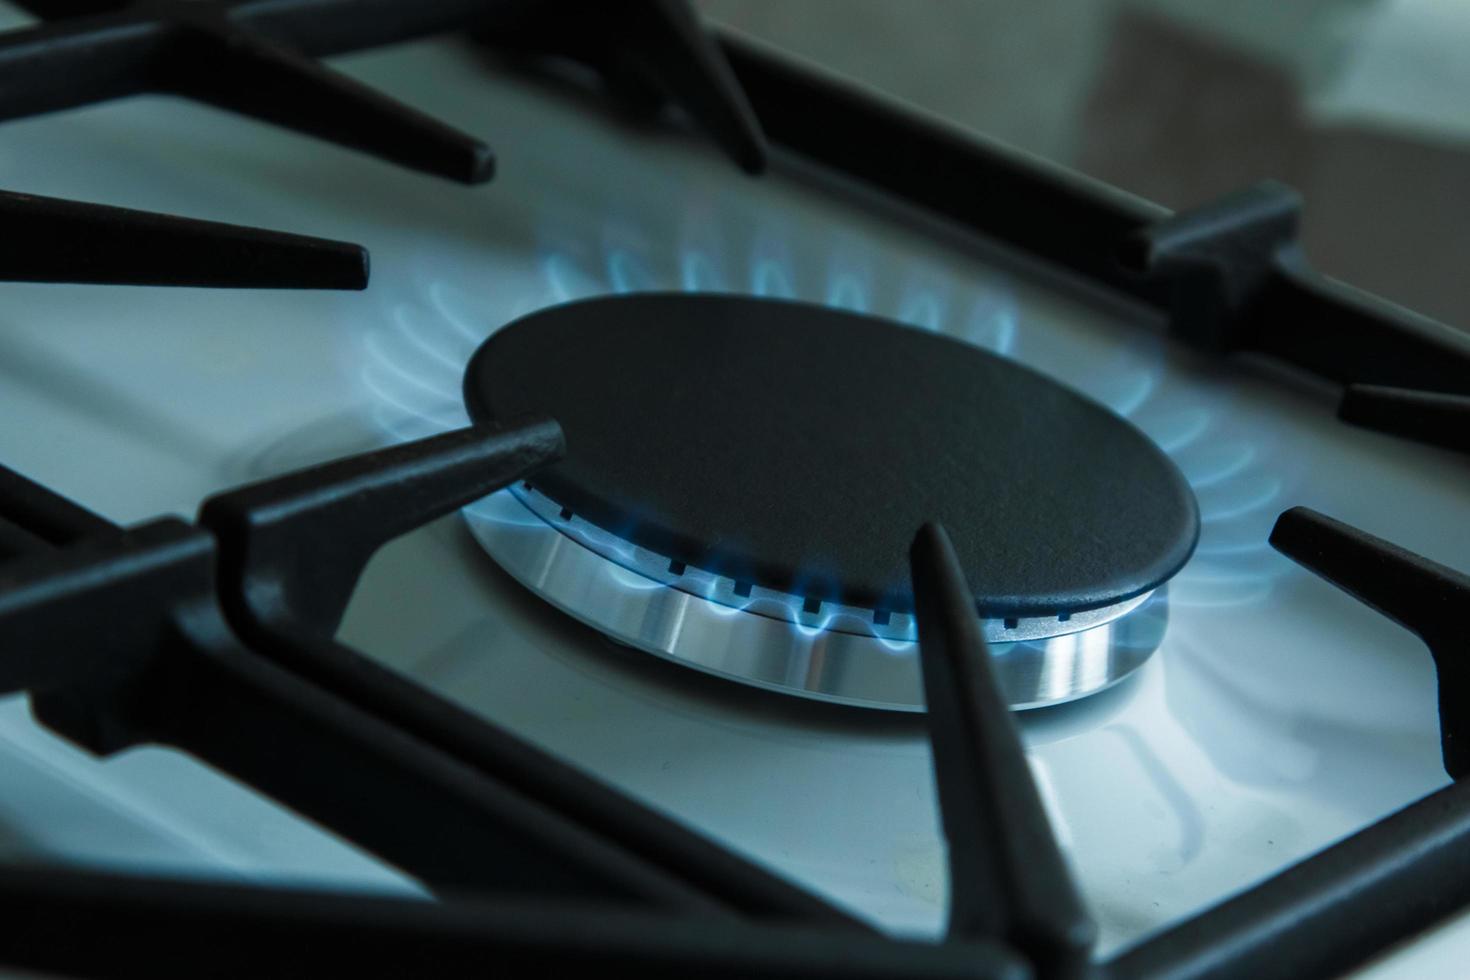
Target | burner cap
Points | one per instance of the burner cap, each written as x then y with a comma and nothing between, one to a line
797,448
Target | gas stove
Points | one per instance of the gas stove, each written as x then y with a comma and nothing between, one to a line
640,568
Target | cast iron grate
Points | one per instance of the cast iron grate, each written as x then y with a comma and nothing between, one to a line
197,659
257,58
540,867
1228,276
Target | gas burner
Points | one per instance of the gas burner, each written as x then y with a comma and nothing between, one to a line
744,476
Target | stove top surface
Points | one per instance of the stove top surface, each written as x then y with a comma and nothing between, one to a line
1276,717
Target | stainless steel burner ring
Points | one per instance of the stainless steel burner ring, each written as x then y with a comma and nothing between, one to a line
769,639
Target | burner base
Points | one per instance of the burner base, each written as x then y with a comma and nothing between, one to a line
827,656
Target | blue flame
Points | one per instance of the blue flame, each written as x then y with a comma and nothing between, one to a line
923,308
991,324
1179,430
700,275
1218,464
626,272
1233,564
769,278
413,368
771,269
846,292
1130,391
1238,498
561,276
448,306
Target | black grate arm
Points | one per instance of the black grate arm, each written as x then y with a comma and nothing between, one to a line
45,514
208,51
289,542
520,790
651,53
1418,594
81,923
52,240
1350,902
167,670
1330,913
1424,416
294,547
664,48
1008,880
1353,337
266,80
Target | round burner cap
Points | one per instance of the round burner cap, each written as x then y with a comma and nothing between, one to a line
798,448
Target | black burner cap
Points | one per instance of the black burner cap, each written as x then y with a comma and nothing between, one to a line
799,447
